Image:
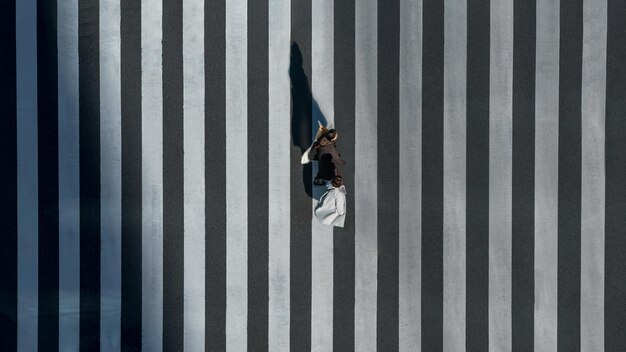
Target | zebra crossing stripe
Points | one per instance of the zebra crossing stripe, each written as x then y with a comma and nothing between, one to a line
111,175
546,175
69,183
454,156
322,78
236,176
593,176
410,154
194,182
279,202
365,194
152,175
500,174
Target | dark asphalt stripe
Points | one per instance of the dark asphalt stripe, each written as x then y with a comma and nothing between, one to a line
300,177
258,169
388,173
344,97
569,193
48,147
89,134
215,173
615,245
432,176
131,174
173,193
523,183
477,178
8,178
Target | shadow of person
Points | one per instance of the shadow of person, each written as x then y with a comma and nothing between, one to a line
306,116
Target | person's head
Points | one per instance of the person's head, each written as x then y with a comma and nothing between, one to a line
331,135
328,138
337,181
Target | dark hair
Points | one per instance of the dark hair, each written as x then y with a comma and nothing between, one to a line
337,181
331,134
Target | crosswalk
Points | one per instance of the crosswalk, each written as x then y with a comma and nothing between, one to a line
152,196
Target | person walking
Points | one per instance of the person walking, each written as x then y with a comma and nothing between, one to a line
325,152
331,209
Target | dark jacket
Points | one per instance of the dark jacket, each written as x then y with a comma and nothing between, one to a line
330,162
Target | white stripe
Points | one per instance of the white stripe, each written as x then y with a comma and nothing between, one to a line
500,174
365,166
454,212
152,176
69,176
546,174
593,172
322,73
194,227
279,165
110,175
27,178
410,217
236,175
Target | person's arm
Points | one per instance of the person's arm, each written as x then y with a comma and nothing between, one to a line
339,163
313,151
337,158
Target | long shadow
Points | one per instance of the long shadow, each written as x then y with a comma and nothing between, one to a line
305,116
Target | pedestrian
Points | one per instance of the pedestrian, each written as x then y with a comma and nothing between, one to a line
326,153
331,209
